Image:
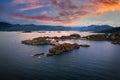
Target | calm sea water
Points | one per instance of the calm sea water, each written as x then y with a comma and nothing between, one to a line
101,61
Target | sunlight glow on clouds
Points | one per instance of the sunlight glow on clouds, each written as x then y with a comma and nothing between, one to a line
65,12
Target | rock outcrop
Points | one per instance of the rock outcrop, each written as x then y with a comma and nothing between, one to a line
114,37
37,41
49,40
84,45
59,49
39,54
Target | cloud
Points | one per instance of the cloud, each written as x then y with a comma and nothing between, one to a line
44,13
45,18
1,8
30,8
31,4
106,6
26,1
38,18
65,11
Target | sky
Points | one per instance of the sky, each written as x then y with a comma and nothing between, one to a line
61,12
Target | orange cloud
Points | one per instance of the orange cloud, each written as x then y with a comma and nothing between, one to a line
107,6
38,18
45,18
67,11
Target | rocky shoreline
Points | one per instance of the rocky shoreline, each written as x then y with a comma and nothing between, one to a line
114,37
50,40
61,48
57,47
37,41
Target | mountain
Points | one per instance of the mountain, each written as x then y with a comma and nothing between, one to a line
4,26
17,27
112,30
94,28
99,27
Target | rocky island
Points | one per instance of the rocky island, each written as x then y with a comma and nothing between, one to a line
113,37
37,41
57,47
63,48
49,40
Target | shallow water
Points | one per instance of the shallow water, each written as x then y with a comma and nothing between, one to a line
99,62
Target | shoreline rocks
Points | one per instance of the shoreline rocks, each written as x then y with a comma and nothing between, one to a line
39,54
84,45
57,47
114,37
49,40
61,48
37,41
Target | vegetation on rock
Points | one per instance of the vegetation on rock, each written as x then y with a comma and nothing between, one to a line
114,37
63,48
98,37
84,45
47,40
37,41
77,36
72,36
39,54
58,48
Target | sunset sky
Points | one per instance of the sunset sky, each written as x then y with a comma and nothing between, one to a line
61,12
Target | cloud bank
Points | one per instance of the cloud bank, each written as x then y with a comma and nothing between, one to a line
62,11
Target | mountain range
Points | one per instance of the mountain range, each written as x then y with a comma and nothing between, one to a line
4,26
112,30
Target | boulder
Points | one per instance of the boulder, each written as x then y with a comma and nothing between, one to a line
39,54
84,45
